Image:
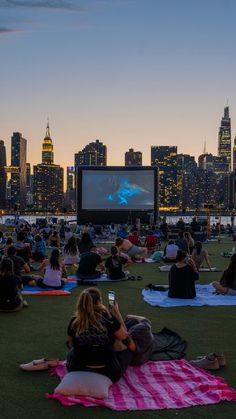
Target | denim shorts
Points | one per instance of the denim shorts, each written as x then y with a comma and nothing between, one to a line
134,250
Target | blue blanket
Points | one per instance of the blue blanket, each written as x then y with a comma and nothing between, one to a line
28,290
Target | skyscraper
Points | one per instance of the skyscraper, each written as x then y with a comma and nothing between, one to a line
3,177
165,158
234,154
48,179
133,158
93,154
18,171
186,167
47,149
224,137
70,188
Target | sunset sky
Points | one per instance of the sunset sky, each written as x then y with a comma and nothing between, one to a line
131,73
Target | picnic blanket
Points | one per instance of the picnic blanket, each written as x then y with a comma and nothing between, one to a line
69,285
99,279
205,297
156,385
166,268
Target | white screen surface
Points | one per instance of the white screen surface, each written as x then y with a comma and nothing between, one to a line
118,190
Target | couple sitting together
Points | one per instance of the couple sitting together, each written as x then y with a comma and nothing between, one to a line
91,265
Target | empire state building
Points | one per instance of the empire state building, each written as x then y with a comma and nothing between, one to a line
48,179
47,151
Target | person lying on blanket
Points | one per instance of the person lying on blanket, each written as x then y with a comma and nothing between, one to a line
182,277
92,333
227,283
133,251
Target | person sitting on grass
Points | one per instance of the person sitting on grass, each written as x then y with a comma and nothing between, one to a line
151,241
39,249
190,242
85,243
9,243
10,285
54,272
134,238
114,265
181,242
23,249
71,252
92,332
182,277
200,255
227,283
133,251
54,240
20,267
170,252
89,263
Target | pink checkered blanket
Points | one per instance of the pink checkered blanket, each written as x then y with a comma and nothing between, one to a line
157,385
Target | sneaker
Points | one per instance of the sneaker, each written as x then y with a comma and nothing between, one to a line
39,365
220,358
25,304
208,362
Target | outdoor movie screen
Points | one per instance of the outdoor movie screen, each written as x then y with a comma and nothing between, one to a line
118,189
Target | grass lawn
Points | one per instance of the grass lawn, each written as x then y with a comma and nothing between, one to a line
40,330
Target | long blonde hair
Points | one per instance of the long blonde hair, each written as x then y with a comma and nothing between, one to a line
89,311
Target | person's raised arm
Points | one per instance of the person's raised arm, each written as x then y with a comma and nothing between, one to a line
122,333
43,265
206,257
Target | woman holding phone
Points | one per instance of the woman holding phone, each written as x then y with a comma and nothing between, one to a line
92,333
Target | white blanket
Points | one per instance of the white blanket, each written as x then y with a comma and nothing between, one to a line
205,297
166,268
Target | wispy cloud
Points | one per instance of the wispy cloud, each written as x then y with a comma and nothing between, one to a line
42,4
8,23
7,30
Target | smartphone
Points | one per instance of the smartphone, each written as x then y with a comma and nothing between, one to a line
111,297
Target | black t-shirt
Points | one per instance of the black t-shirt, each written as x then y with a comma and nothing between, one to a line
9,298
182,282
84,247
88,263
114,266
94,347
18,263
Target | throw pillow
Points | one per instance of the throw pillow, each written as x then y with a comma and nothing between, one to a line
84,383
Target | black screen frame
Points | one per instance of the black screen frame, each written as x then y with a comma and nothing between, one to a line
104,216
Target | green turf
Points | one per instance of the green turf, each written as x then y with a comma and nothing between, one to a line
40,330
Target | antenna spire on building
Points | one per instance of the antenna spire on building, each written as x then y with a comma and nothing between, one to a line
48,129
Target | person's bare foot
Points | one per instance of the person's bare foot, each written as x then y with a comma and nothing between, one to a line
219,288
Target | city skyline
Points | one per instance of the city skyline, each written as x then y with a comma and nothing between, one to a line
129,73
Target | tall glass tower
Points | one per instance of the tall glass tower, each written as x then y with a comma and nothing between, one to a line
165,158
224,137
3,179
18,170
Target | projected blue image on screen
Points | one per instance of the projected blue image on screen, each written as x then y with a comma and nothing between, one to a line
118,190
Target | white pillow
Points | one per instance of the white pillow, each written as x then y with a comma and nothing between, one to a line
84,383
